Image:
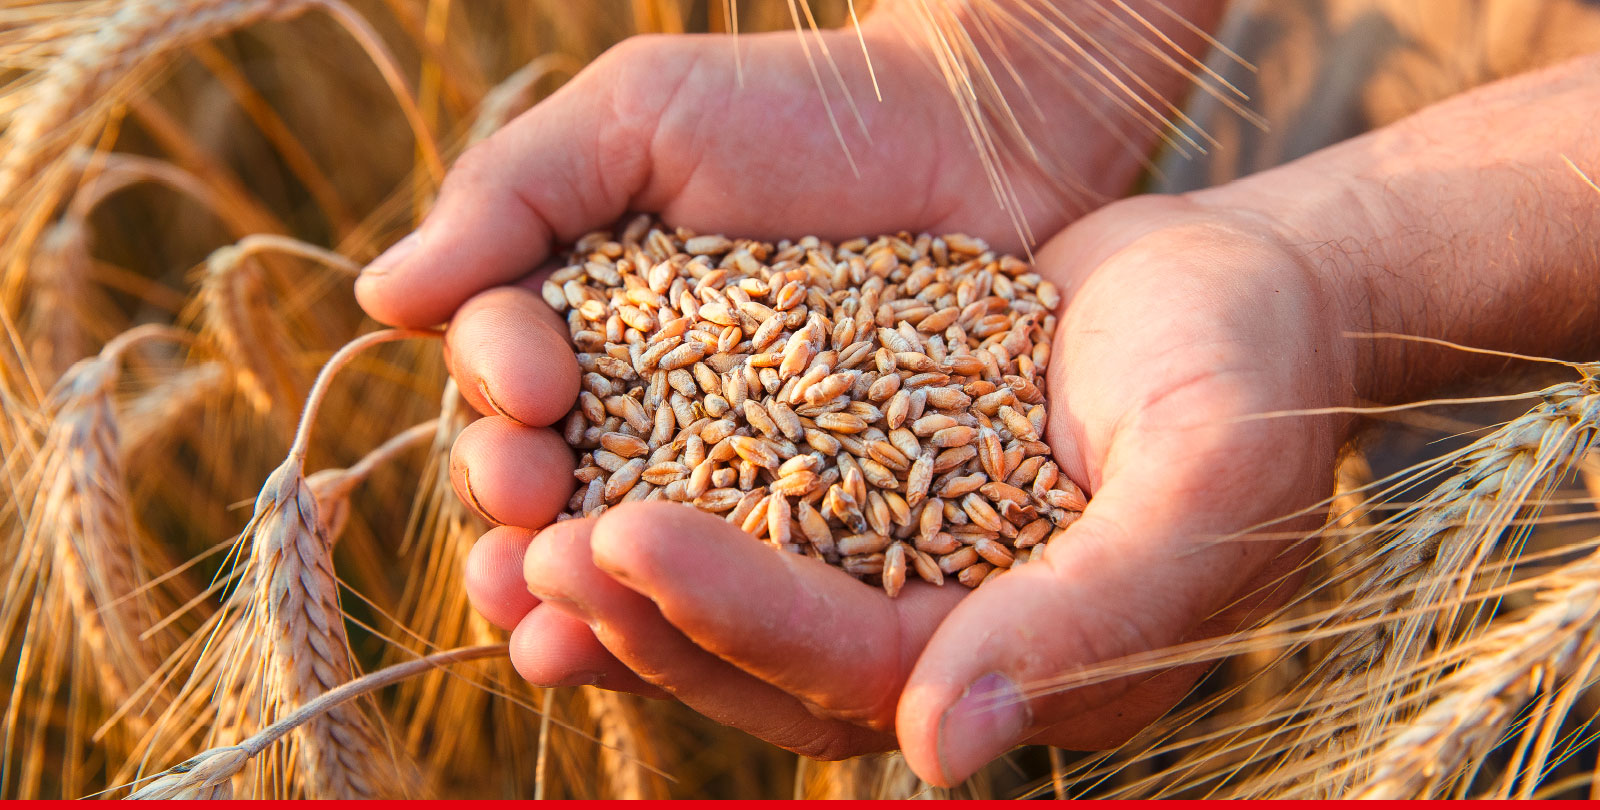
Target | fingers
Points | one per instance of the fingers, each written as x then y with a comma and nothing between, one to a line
1136,573
570,164
493,576
551,647
560,569
509,355
511,474
840,645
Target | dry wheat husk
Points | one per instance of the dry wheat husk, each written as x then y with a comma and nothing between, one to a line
1553,649
1428,565
81,605
281,641
878,405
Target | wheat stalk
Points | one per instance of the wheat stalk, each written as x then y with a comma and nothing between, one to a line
207,774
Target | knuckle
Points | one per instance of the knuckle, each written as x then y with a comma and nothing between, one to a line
828,744
873,710
475,168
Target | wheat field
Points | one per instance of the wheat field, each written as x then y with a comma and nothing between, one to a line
233,557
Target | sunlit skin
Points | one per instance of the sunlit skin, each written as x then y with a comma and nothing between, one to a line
1184,318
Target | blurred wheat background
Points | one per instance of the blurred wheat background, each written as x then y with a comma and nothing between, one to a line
186,190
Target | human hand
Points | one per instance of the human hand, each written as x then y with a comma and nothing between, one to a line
1181,322
632,133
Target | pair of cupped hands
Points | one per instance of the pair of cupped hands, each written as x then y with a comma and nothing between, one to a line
1183,317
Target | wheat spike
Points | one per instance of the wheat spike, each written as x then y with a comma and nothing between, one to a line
101,57
78,608
1433,561
297,615
1420,581
87,524
295,611
58,320
65,102
1417,582
84,516
625,746
1553,648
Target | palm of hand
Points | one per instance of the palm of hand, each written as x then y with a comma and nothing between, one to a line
1181,326
760,156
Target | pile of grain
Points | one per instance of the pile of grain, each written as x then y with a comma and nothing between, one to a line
878,405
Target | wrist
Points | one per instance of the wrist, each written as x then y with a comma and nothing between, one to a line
1463,223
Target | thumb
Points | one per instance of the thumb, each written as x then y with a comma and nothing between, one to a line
1140,571
570,164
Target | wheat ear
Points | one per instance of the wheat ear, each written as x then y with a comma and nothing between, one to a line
84,517
295,608
1554,650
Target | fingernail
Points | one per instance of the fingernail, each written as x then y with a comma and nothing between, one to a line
391,258
988,719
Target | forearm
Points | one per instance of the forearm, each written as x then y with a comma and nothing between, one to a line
1464,222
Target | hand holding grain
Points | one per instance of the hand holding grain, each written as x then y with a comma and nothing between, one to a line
660,599
663,124
1181,320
